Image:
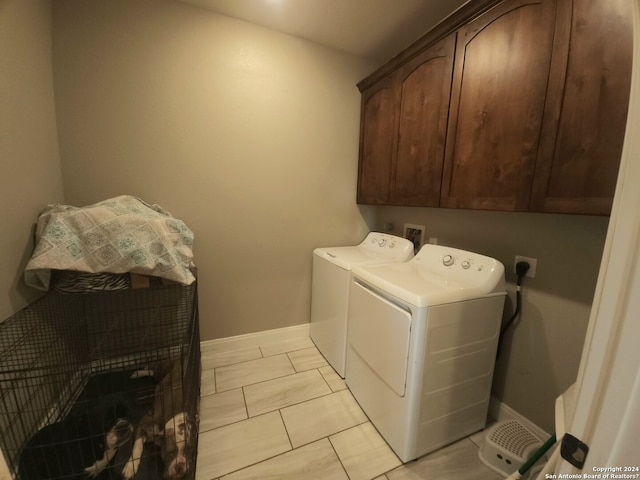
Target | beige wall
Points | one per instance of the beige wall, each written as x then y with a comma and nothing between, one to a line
248,135
541,352
29,160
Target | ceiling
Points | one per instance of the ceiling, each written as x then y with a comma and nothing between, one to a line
376,29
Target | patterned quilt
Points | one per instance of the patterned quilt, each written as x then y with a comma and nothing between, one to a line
119,235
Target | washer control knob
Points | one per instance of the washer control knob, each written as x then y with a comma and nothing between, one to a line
447,260
392,244
466,264
382,242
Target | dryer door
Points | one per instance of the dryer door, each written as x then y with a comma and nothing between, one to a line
379,333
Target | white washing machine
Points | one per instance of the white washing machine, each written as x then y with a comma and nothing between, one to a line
330,288
422,344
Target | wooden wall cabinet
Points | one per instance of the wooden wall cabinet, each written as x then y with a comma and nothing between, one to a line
403,130
497,106
577,166
377,138
535,114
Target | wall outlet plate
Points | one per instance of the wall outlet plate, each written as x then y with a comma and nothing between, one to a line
414,233
533,262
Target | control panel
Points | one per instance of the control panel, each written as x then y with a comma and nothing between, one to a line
459,265
386,244
449,260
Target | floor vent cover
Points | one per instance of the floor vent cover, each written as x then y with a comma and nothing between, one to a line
507,445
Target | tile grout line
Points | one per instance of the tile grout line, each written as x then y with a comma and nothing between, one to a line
263,460
323,378
264,381
330,435
291,449
244,398
242,361
295,371
261,381
292,365
338,456
289,351
215,380
262,356
331,392
246,408
277,409
284,424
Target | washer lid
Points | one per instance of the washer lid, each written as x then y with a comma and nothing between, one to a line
376,248
437,275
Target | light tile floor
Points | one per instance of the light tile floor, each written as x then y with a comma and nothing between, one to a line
279,411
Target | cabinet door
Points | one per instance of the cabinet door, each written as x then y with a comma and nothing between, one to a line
498,95
377,139
578,167
425,88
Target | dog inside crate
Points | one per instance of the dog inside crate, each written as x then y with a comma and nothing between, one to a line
116,428
102,385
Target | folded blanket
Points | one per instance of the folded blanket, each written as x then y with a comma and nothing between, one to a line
119,235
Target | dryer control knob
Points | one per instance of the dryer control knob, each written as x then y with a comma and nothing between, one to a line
466,264
447,260
382,242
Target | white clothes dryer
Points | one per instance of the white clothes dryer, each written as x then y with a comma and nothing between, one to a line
422,342
330,288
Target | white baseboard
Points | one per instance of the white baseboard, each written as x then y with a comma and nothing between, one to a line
256,339
501,412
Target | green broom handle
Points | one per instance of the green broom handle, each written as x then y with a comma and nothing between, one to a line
537,454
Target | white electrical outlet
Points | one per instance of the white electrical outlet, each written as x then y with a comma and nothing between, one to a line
532,265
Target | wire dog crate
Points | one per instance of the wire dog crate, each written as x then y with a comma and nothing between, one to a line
80,373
